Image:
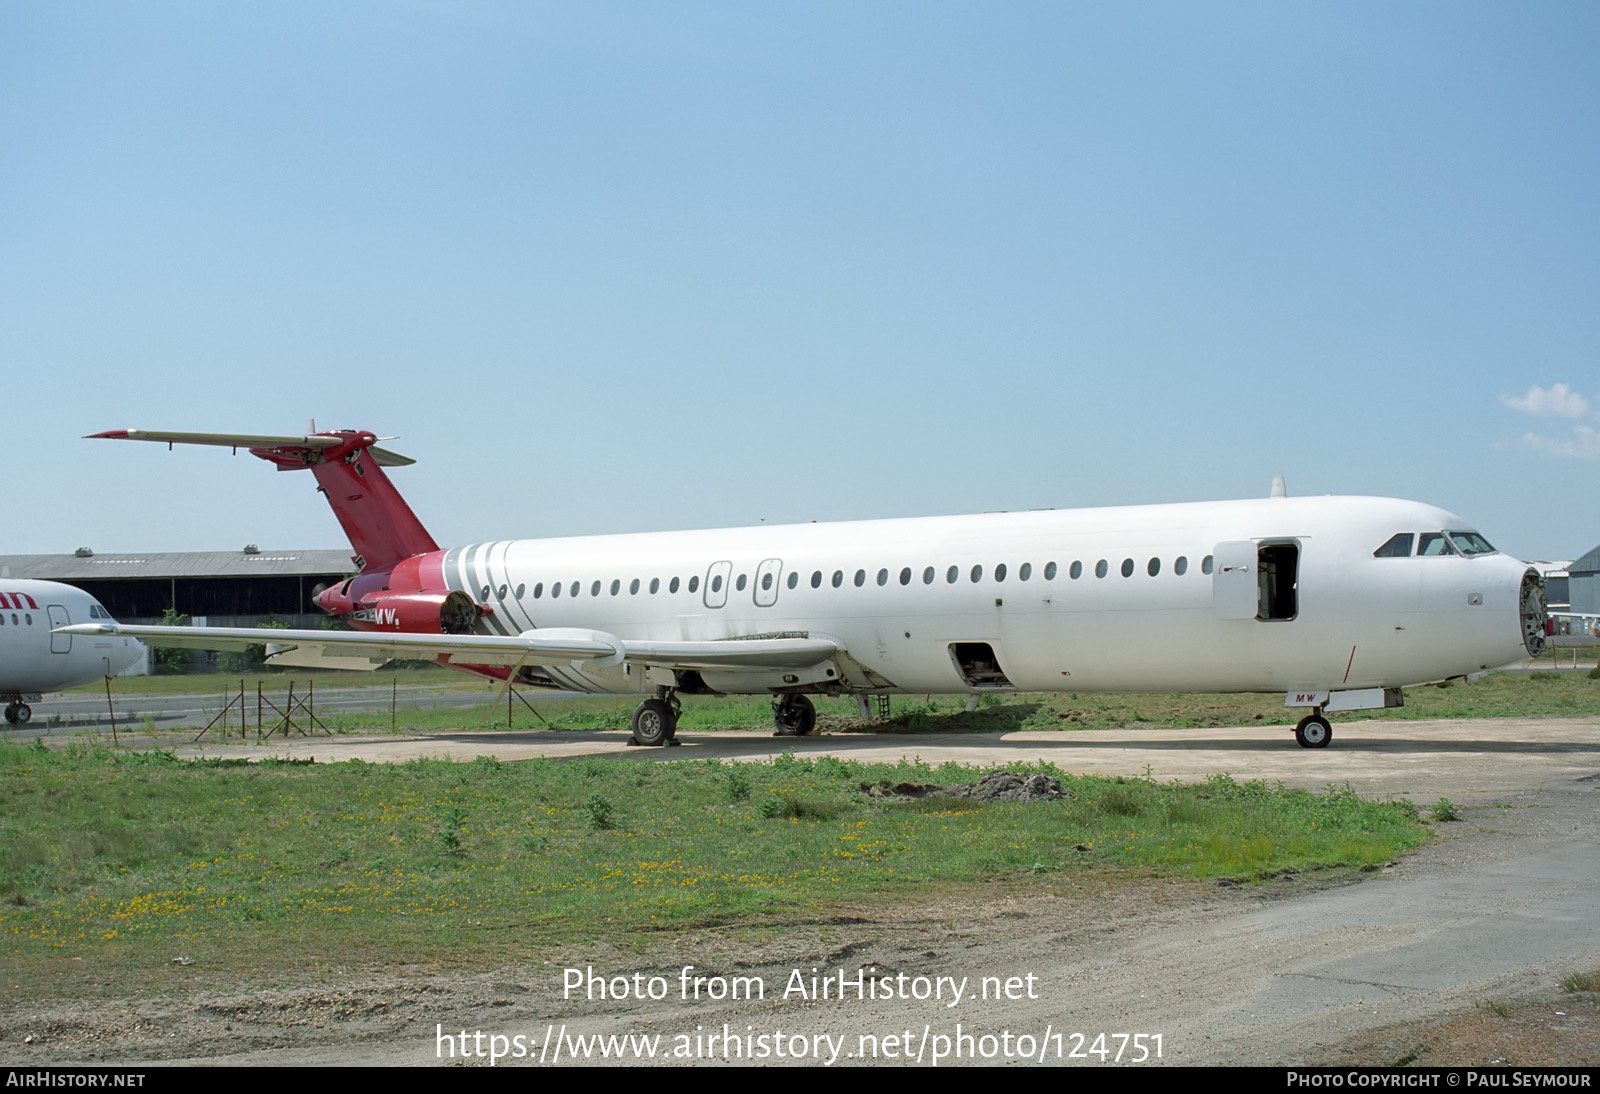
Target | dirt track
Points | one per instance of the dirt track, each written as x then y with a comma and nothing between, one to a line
1502,906
1464,760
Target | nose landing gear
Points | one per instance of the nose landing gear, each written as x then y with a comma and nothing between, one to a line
18,713
1314,731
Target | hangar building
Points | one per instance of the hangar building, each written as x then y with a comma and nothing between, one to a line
1583,583
214,588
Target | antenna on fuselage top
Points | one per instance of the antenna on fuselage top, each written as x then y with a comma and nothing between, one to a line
1279,488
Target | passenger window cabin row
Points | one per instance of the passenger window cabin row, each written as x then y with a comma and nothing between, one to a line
95,612
905,576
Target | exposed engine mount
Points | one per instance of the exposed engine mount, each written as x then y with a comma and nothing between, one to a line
419,613
1535,613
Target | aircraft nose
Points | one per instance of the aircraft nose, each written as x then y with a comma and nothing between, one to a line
1533,612
132,655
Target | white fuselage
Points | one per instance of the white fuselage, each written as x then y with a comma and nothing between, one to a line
33,660
1192,612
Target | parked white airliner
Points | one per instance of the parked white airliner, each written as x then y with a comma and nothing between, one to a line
38,656
1336,601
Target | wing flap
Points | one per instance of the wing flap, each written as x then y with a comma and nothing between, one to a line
733,653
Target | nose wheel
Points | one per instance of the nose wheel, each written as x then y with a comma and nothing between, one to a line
1314,731
18,713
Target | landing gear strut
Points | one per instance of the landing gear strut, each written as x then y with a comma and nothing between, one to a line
18,713
795,715
1314,731
655,721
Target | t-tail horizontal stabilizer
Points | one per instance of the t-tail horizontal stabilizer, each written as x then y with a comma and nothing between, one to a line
348,466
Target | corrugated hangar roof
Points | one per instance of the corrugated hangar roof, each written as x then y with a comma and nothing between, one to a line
175,564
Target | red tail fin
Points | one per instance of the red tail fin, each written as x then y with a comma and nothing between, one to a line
349,470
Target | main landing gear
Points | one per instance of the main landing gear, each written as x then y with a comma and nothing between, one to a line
794,715
18,713
655,721
1314,731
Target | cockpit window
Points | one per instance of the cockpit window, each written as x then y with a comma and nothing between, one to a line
1399,546
1470,543
1434,543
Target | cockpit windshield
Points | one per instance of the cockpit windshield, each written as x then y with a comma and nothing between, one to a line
1434,545
1470,543
1398,546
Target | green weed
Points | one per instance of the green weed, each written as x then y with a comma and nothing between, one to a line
599,811
452,819
787,805
1582,981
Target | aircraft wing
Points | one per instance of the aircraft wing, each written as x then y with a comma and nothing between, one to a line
551,646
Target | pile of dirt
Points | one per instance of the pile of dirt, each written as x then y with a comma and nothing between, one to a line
1002,786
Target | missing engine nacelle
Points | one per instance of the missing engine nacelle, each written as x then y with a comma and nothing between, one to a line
1535,613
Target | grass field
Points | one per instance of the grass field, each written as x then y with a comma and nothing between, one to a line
113,864
202,683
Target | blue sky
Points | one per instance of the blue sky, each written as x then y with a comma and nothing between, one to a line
616,267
